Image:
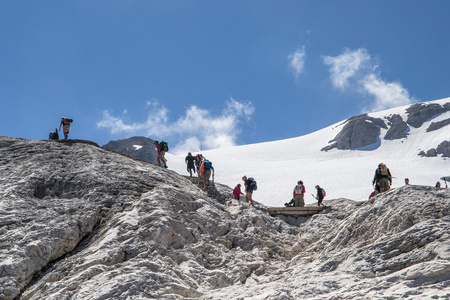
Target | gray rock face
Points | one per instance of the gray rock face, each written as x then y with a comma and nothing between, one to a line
443,148
137,147
419,113
80,222
358,132
363,132
398,129
438,125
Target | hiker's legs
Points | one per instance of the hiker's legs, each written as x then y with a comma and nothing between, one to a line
384,184
207,175
66,131
248,195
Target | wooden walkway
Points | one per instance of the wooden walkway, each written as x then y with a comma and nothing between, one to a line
294,211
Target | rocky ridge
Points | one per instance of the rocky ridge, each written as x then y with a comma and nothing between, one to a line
363,132
80,222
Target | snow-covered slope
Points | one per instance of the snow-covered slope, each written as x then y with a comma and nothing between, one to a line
278,165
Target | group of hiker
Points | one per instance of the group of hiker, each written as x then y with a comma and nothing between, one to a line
298,199
202,166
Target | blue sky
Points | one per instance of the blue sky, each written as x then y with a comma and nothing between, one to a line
208,74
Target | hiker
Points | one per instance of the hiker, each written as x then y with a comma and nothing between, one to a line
250,186
65,123
205,170
382,178
299,192
406,181
320,195
237,192
198,162
290,203
189,160
160,157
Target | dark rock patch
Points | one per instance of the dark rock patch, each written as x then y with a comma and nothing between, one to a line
147,152
438,125
443,148
398,128
360,131
419,113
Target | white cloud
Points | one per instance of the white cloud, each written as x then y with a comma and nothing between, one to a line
386,95
297,61
346,66
356,70
197,129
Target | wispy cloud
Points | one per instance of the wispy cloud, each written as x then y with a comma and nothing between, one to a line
297,61
196,129
357,70
347,66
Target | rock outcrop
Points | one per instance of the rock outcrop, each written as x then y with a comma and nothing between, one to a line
358,132
137,147
442,149
363,132
80,222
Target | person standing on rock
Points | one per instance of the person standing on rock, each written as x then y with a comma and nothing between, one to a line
299,193
189,160
65,123
198,162
382,178
206,169
319,196
249,184
160,157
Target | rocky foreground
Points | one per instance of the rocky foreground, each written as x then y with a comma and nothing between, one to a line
81,222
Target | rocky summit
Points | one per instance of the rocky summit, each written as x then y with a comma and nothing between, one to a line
81,222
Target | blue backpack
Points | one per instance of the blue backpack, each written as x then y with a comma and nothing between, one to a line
208,165
253,184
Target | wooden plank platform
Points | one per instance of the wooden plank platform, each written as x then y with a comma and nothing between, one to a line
294,211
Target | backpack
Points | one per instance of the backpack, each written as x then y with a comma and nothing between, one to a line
383,170
323,192
207,165
198,159
299,189
253,184
53,135
164,146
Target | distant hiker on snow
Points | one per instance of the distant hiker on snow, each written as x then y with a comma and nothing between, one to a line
206,168
250,186
382,178
237,192
161,148
299,193
189,160
65,123
320,195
